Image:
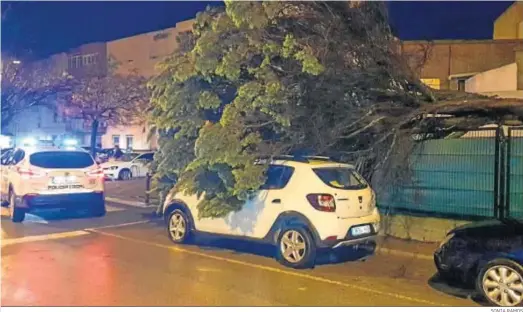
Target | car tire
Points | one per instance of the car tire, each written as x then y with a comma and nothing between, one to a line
125,174
16,214
178,227
296,248
510,274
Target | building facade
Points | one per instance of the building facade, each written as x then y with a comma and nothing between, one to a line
509,25
140,54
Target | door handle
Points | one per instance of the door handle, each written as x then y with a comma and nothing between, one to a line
276,201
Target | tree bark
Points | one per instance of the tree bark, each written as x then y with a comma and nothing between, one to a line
94,131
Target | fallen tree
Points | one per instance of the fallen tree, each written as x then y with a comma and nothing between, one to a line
266,78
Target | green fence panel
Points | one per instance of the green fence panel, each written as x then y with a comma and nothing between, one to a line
448,176
515,162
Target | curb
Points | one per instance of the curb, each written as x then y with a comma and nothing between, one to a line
128,202
394,252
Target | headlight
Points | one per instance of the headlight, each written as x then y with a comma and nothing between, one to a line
446,240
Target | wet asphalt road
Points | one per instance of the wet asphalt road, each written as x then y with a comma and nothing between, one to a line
126,259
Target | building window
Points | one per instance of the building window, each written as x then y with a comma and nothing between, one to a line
129,142
89,59
75,61
116,140
461,84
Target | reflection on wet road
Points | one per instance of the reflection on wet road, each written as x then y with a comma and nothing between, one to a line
126,260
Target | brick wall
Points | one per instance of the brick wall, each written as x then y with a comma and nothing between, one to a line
441,59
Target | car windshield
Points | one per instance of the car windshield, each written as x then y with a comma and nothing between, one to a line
61,160
341,178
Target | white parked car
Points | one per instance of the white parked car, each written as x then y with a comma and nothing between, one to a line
128,166
305,204
36,178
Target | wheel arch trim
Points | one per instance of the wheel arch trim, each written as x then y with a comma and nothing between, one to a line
287,218
173,204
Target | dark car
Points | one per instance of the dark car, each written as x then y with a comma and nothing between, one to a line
486,258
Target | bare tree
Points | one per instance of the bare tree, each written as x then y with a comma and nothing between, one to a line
26,85
111,99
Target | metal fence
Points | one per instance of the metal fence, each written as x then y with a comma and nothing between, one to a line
513,201
468,174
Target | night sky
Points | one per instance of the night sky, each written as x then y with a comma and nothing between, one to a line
45,28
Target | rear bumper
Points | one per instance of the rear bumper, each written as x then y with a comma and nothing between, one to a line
59,201
365,241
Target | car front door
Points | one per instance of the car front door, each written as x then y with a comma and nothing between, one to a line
140,165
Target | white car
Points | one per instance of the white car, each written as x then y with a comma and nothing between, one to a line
128,166
305,204
35,178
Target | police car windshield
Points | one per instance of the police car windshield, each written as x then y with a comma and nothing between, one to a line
61,160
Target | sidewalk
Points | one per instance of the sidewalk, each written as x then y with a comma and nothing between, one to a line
130,192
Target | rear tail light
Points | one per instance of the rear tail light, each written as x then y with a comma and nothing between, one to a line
98,172
322,202
29,173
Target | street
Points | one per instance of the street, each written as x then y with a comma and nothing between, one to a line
126,259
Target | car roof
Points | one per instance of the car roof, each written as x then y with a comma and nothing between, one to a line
39,149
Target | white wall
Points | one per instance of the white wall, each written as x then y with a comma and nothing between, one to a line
500,79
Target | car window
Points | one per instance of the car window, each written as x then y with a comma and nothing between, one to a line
341,178
146,157
277,177
128,157
6,158
61,160
17,157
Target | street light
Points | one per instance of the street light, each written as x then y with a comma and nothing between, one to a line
17,62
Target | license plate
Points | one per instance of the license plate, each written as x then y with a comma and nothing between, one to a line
360,230
61,180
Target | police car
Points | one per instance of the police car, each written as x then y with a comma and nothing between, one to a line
44,177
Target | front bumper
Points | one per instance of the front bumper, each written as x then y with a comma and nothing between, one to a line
111,174
59,201
455,269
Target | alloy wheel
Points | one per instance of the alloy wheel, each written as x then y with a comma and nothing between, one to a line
177,226
292,246
503,286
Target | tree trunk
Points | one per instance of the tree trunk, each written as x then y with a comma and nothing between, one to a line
94,131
